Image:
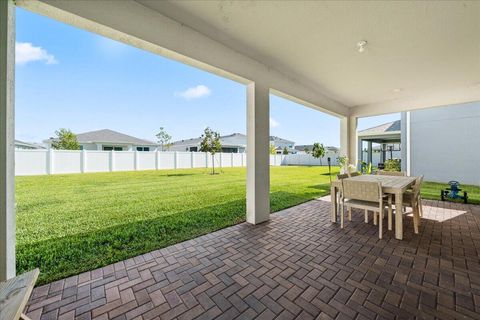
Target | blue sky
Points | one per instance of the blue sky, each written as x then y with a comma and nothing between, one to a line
70,78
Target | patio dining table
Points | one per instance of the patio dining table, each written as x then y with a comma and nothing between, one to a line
396,185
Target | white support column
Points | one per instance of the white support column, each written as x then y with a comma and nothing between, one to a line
258,169
369,152
7,136
348,138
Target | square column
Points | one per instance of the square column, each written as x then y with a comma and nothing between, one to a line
258,156
348,139
7,138
370,152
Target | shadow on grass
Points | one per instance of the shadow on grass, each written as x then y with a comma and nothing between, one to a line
180,174
62,257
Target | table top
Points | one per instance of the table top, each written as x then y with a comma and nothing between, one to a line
390,184
14,294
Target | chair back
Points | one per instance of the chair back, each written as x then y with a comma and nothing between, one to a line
417,186
354,174
362,190
392,173
342,176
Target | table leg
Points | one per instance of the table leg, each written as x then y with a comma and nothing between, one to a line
399,216
333,201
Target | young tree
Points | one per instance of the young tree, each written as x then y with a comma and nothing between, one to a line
285,150
65,140
273,150
163,138
211,143
307,150
318,151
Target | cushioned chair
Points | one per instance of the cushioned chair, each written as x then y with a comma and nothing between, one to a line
363,195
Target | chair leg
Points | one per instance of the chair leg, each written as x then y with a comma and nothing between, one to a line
389,213
366,216
380,227
375,218
349,213
420,206
416,218
341,215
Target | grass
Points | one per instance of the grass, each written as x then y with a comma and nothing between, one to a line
67,224
431,190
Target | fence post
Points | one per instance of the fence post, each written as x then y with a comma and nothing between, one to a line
50,161
175,158
135,161
206,160
112,161
192,159
83,160
157,160
220,160
232,160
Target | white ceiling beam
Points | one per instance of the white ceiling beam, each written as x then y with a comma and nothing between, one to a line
132,23
438,99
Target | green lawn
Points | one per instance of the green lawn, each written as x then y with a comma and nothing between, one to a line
431,190
67,224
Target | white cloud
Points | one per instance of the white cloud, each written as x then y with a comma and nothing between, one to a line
274,123
195,92
25,52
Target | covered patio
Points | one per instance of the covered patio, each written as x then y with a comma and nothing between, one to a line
347,59
298,265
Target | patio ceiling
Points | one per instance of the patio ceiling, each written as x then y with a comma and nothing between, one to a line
416,51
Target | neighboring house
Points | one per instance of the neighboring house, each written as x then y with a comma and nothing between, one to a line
21,145
443,143
301,149
380,143
108,140
233,143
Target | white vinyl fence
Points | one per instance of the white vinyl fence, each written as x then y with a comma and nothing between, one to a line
41,162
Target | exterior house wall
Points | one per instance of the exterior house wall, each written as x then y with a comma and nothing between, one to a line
445,143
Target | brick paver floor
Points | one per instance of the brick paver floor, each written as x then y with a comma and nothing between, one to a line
297,265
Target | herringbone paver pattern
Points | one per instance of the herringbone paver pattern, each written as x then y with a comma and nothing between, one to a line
296,266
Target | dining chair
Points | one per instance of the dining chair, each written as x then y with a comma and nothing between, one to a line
365,195
354,174
392,173
413,200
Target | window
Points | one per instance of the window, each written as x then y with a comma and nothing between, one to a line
143,148
110,148
193,149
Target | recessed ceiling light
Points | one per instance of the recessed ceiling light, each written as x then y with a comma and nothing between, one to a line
397,90
361,46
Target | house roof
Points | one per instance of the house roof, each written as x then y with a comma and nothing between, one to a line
387,128
310,146
107,135
28,144
234,139
278,139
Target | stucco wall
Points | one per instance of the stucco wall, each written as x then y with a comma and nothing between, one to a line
445,143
